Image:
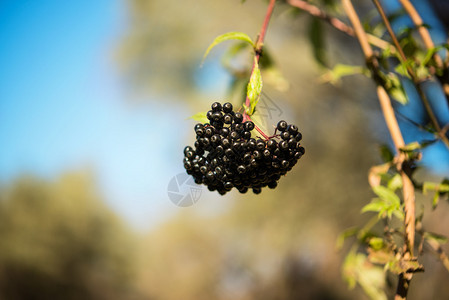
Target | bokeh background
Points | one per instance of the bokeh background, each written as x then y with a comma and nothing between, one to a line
95,99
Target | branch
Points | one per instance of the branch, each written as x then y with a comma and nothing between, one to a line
338,24
259,46
408,190
422,30
427,39
437,248
412,74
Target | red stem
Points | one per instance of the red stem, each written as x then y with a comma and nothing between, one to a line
258,49
246,117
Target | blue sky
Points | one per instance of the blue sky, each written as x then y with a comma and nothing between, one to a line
63,106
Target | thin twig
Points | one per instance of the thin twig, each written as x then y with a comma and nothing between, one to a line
441,255
260,39
258,50
393,36
422,30
427,39
412,74
338,24
395,132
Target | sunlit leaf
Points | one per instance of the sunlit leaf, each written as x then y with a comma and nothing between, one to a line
439,188
399,266
254,87
334,75
440,239
358,270
429,186
435,200
387,205
402,69
395,182
374,206
394,87
226,37
387,195
200,117
429,55
411,147
376,243
398,94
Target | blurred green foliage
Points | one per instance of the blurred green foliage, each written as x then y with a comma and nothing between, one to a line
60,241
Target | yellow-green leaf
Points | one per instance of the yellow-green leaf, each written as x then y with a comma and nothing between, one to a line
254,87
200,117
226,37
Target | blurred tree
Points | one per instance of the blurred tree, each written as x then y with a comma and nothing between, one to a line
59,241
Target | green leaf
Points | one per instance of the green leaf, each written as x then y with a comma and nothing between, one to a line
375,205
444,187
344,235
316,38
386,154
387,204
411,147
395,182
200,117
334,75
357,269
427,185
399,266
376,243
402,69
439,188
429,55
226,37
440,239
435,200
394,87
399,95
254,87
387,195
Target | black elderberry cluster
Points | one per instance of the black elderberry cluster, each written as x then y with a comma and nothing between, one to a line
226,156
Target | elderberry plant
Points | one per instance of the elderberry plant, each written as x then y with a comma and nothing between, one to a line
226,155
228,152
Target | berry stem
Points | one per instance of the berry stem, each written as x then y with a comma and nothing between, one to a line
248,118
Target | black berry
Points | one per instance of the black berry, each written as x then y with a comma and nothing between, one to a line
225,156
